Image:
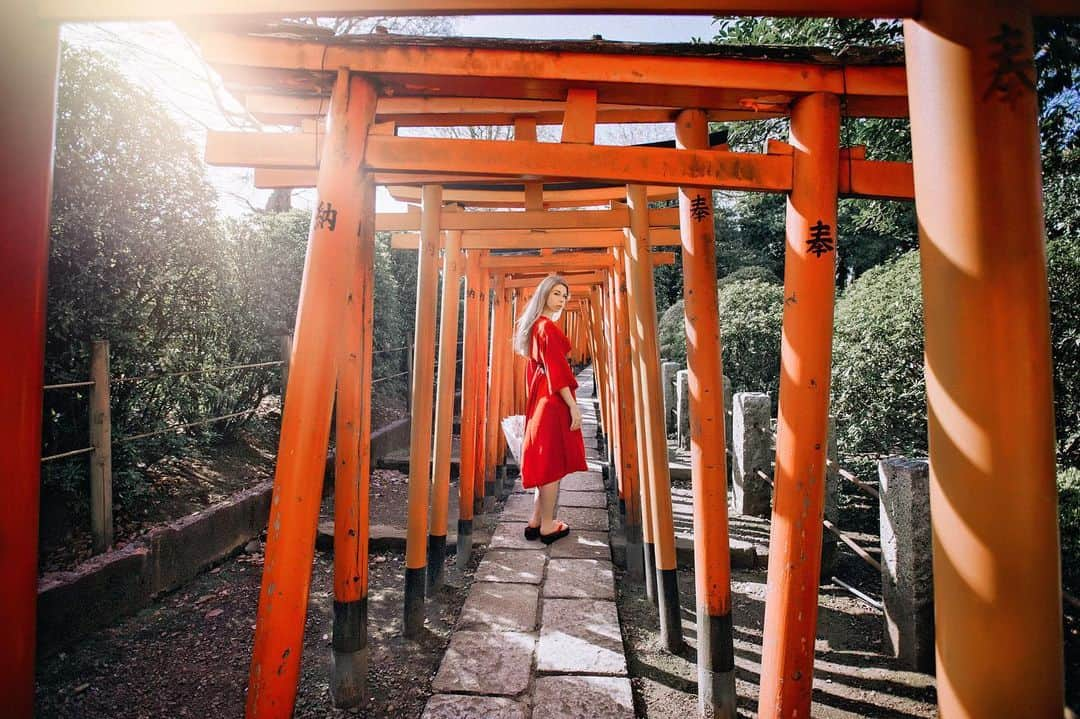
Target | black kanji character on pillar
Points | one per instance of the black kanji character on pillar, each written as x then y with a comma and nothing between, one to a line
326,215
821,239
1012,72
699,208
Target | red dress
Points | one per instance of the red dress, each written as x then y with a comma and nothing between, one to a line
550,451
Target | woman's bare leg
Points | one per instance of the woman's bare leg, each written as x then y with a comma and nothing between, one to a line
549,495
534,520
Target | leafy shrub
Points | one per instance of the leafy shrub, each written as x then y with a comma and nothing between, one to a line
750,321
878,389
1068,483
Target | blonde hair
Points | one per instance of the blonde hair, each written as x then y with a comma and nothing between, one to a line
533,310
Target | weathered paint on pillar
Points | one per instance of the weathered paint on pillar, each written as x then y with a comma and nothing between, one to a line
997,580
427,281
642,301
708,450
787,664
444,408
639,548
305,423
30,50
349,654
469,360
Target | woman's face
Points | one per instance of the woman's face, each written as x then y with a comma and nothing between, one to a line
557,298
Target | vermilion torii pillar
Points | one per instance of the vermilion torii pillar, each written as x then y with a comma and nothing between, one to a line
469,411
708,455
427,280
787,657
444,408
352,471
305,425
26,158
997,582
642,301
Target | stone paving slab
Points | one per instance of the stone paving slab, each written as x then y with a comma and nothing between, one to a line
580,579
596,500
593,697
486,663
518,508
522,566
463,706
584,518
583,482
580,636
511,535
582,545
500,606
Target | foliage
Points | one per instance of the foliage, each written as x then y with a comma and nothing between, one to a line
878,389
138,257
751,311
1064,267
1068,484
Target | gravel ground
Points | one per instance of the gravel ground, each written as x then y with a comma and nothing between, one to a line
188,654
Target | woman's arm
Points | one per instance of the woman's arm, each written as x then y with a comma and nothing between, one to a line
575,411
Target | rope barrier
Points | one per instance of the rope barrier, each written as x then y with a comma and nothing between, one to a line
182,426
69,385
120,380
72,453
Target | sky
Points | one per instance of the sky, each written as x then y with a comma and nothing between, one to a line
159,57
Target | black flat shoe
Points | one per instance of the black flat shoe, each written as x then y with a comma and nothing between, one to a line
549,538
532,533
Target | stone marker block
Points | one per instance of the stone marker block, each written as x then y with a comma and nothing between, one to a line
907,575
582,545
668,371
585,518
682,394
580,579
750,446
580,636
728,400
582,482
502,606
486,663
511,535
596,500
458,706
520,566
518,508
593,697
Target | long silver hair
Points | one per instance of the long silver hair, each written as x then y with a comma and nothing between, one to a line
536,306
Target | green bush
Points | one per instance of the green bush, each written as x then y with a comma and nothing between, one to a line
1064,267
1068,483
878,389
750,320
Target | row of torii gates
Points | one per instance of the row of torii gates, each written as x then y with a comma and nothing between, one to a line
969,85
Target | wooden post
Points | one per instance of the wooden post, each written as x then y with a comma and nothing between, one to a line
352,469
427,282
305,425
444,408
642,303
285,347
708,453
409,356
26,153
997,581
101,506
787,664
499,341
631,445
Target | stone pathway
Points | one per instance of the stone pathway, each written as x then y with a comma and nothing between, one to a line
539,634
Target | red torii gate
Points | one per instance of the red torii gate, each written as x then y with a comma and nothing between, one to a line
981,237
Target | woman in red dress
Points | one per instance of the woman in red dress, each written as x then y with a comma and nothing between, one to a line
553,446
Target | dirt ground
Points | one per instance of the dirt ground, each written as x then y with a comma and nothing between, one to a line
188,654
